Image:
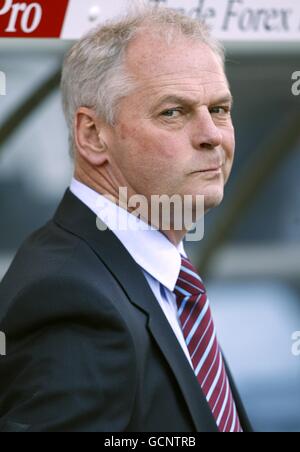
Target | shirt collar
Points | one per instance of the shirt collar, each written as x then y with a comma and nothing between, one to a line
150,248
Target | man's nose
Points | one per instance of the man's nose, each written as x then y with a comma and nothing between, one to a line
206,134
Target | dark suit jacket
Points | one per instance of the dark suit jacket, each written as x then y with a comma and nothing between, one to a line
88,346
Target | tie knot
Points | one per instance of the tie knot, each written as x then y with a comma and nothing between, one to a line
189,282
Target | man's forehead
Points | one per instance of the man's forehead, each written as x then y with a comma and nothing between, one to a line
187,68
152,57
183,84
184,78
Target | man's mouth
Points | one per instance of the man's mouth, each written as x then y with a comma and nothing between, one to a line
215,169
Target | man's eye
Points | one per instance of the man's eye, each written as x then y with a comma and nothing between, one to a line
220,110
171,113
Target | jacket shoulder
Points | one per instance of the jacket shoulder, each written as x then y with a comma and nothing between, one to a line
55,277
69,347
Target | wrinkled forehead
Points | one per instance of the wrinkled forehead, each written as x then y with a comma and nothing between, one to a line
150,59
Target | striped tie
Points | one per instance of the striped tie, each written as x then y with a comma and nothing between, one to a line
199,332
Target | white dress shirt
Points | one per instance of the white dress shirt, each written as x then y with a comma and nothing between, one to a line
158,258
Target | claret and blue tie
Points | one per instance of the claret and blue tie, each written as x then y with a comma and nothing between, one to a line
198,328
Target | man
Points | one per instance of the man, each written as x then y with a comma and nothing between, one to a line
111,329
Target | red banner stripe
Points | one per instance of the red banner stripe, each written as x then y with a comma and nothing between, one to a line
32,18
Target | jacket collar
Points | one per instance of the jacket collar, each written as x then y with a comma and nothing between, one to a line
157,255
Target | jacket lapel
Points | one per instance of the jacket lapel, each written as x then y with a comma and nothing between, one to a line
78,219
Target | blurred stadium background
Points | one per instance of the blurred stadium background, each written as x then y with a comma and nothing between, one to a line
250,256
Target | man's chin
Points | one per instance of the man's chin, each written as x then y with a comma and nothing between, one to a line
213,200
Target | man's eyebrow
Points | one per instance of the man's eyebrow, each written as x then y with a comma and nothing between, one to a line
177,99
228,99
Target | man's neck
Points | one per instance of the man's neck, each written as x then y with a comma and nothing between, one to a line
174,236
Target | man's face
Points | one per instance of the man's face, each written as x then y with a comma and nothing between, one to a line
174,134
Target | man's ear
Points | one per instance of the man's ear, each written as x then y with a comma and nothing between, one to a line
89,136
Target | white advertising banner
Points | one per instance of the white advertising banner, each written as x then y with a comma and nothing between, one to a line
231,20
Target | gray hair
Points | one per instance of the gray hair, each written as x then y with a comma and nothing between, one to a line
94,73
